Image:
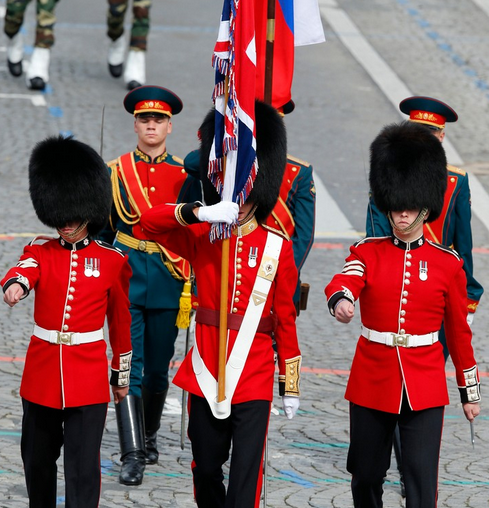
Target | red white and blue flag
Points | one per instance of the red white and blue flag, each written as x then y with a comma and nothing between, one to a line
297,23
232,161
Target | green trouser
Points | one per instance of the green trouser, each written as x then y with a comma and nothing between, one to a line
140,21
14,17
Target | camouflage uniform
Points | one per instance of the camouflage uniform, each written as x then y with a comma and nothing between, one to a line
140,23
14,18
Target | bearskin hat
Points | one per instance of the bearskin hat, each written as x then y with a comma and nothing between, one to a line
408,169
69,182
271,153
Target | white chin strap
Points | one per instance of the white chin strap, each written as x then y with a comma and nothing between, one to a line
420,218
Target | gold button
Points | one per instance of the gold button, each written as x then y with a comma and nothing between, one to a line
73,273
65,327
74,264
452,179
408,275
404,301
403,312
407,282
235,310
405,293
240,249
402,320
182,170
73,279
238,283
75,256
67,316
239,266
238,276
68,308
152,170
236,300
402,331
152,189
238,293
240,243
70,297
238,260
72,290
294,168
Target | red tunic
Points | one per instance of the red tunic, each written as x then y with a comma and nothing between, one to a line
393,298
192,242
57,375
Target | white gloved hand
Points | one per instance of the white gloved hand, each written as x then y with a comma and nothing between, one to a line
225,211
470,318
291,405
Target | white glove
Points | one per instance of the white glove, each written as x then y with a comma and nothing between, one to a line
291,405
225,211
470,318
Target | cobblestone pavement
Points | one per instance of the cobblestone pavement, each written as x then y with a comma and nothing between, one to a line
339,111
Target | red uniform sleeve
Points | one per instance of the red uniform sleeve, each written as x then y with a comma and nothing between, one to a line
119,322
26,272
459,338
350,282
288,352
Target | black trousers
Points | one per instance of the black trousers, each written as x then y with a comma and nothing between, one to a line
44,431
245,429
370,450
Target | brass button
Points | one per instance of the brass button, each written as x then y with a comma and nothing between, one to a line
152,170
65,327
152,189
235,310
67,316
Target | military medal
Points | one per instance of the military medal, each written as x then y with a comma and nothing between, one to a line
96,267
423,270
88,267
252,257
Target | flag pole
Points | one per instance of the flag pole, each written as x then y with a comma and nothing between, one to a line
269,51
223,307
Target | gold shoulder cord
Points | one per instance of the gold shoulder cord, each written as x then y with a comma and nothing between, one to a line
125,215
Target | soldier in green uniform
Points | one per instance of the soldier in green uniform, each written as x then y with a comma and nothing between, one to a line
141,179
135,67
38,74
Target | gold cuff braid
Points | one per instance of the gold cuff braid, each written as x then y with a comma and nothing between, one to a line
292,376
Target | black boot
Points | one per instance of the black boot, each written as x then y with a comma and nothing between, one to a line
397,452
153,407
130,424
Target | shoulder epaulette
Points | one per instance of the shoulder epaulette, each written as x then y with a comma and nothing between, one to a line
111,163
454,169
299,161
43,238
276,231
445,248
108,246
370,239
177,159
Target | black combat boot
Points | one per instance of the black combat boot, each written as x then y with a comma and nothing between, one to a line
153,408
130,424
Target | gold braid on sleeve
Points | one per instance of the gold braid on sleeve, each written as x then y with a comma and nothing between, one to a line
290,381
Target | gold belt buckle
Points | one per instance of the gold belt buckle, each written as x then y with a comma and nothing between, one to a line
400,339
142,245
64,338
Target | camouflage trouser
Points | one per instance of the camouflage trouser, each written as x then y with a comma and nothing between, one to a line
14,17
140,21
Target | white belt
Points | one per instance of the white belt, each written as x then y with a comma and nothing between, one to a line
68,338
400,339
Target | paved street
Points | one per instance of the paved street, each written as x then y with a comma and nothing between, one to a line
345,91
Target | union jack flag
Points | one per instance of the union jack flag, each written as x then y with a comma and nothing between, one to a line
232,162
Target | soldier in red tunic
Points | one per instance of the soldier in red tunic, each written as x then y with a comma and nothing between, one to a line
78,282
407,286
262,280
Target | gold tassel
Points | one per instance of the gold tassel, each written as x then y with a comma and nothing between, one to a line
185,306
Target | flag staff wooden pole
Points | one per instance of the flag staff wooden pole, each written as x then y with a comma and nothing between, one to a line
269,51
223,307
